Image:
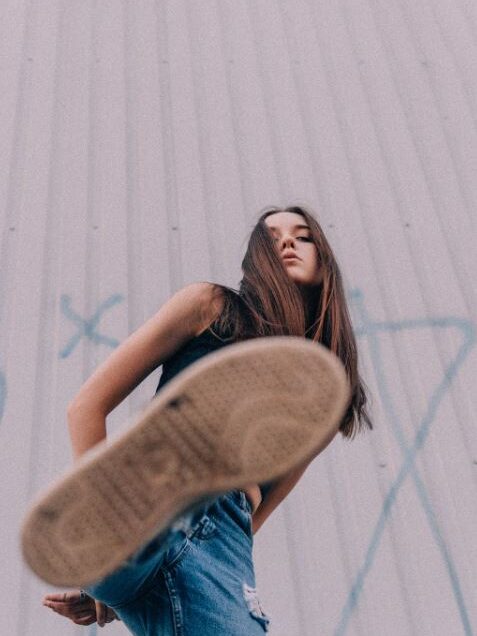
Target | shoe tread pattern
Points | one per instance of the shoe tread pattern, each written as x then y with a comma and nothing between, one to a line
245,414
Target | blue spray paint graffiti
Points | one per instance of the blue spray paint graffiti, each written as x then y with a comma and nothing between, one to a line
3,394
371,330
87,327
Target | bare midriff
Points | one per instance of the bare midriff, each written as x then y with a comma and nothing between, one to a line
254,496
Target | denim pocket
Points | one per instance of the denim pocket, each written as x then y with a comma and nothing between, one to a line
176,553
201,530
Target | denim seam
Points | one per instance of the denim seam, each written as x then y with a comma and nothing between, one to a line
162,568
177,619
136,598
179,556
146,589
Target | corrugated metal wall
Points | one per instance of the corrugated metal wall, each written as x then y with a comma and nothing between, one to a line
138,142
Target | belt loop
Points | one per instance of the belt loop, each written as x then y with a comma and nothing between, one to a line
244,502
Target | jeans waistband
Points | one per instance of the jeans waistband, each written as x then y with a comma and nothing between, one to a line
243,501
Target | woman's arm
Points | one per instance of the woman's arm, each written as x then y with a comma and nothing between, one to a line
181,318
276,495
184,316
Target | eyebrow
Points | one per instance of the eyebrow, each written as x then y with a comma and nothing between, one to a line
295,227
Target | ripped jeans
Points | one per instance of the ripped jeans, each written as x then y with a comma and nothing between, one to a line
196,578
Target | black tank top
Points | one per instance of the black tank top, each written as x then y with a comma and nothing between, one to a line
196,348
193,349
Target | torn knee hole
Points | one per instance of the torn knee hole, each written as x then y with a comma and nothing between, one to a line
255,608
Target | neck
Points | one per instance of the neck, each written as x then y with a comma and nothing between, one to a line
311,297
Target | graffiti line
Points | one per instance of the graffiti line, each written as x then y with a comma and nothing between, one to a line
87,327
371,330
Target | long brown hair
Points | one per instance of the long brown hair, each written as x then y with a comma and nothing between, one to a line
269,302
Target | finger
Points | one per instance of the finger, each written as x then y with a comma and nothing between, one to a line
73,614
100,613
52,604
83,614
58,597
61,609
71,606
66,609
87,620
53,597
64,597
58,606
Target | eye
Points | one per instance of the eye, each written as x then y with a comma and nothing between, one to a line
308,239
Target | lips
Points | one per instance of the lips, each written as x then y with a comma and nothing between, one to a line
290,257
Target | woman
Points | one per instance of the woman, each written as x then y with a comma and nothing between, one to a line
291,286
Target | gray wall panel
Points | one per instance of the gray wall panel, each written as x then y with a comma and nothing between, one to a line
139,142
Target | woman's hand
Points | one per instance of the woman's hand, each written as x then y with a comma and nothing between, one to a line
80,608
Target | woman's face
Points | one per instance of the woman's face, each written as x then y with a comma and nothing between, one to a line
292,237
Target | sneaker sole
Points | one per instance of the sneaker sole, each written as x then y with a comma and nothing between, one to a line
239,416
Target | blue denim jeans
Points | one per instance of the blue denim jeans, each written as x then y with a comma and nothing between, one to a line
195,579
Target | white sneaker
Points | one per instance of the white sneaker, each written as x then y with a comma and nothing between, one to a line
243,415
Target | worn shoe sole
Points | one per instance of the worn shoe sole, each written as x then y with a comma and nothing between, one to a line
242,415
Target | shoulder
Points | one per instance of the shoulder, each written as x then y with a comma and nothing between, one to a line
203,293
207,300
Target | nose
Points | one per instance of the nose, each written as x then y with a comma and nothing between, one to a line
287,241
